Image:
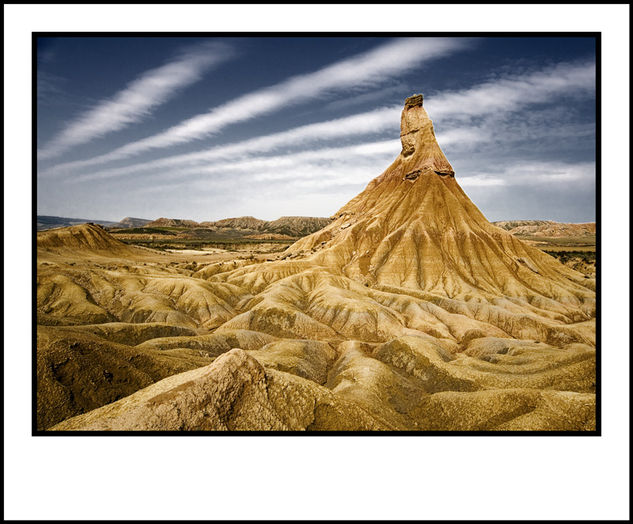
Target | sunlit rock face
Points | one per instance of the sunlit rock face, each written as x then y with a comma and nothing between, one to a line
408,311
418,139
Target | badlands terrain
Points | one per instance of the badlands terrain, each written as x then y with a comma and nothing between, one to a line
407,310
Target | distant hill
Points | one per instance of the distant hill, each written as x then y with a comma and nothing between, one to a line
547,228
171,222
45,222
297,226
88,236
291,226
251,223
287,227
236,229
133,222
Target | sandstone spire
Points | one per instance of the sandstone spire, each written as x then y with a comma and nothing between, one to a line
414,227
420,149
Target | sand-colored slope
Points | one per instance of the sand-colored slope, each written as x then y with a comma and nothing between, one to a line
406,384
408,311
81,237
78,371
75,294
234,393
414,227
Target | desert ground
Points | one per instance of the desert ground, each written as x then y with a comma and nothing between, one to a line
406,310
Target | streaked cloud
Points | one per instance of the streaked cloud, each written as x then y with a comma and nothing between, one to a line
462,134
513,92
324,169
481,181
364,70
363,124
137,100
544,173
298,164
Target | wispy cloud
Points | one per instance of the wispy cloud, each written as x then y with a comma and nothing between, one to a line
515,91
347,170
543,174
298,165
138,99
364,70
469,118
482,181
550,173
363,124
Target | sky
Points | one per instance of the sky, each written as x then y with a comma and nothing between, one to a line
210,128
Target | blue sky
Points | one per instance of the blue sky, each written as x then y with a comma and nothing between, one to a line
209,128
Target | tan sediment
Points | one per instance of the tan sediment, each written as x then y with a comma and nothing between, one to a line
408,311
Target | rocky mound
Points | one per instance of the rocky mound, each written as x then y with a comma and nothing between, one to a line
78,371
82,237
233,393
242,391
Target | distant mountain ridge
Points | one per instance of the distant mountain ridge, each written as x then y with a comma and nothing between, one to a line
45,222
172,222
293,226
133,222
299,226
50,222
247,222
289,226
547,228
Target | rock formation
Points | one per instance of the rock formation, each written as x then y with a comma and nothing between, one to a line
409,311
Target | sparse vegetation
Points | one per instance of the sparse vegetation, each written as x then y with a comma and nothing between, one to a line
588,257
229,244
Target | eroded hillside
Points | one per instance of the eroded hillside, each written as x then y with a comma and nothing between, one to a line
408,311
